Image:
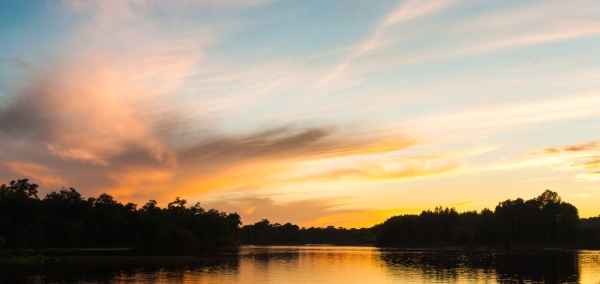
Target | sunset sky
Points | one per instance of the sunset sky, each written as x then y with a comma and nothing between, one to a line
317,113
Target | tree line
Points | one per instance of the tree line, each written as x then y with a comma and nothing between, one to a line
64,219
266,233
540,221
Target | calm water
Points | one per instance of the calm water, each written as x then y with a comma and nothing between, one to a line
320,264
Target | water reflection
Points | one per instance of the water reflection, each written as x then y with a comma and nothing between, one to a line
311,264
124,270
508,267
320,264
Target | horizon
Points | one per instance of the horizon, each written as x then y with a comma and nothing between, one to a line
181,201
342,113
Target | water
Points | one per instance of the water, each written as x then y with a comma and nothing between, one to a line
320,264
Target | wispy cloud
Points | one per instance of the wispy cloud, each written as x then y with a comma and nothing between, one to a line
414,9
538,179
382,171
302,212
583,195
583,146
500,30
14,60
590,177
503,116
95,5
407,11
552,150
574,148
38,172
466,203
573,157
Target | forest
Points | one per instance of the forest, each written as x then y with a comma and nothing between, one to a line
543,221
64,219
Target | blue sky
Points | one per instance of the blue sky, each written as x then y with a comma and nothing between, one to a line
352,110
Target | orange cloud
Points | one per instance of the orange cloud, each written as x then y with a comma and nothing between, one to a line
586,146
307,212
551,150
301,212
579,156
583,146
380,172
37,172
267,159
466,203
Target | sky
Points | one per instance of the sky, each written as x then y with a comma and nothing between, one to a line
319,113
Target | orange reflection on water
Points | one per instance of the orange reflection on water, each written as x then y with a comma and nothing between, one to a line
330,264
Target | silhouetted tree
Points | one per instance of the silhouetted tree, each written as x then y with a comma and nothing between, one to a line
545,219
65,219
21,187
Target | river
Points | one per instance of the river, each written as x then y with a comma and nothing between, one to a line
319,264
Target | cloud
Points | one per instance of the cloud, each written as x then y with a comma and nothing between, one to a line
14,60
306,212
499,30
301,212
587,146
589,177
539,23
83,115
129,149
107,122
593,164
466,203
266,159
104,115
382,172
521,114
551,150
108,117
583,195
142,102
284,143
37,172
414,9
380,38
538,179
583,146
571,157
580,157
95,5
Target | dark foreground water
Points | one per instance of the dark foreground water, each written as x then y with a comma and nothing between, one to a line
319,264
